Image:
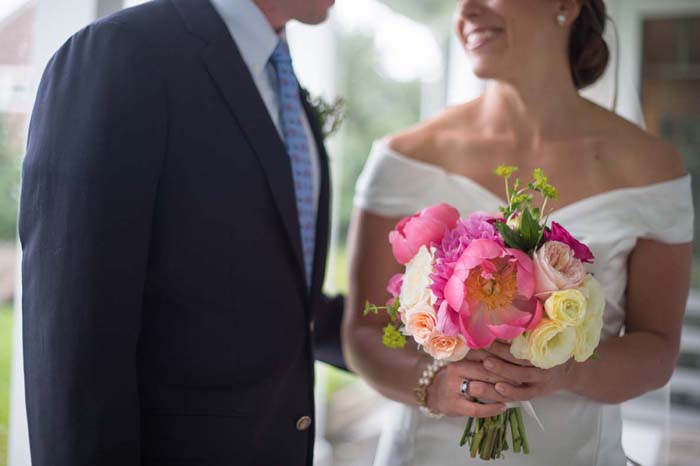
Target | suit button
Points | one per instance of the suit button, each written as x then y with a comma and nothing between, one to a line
312,327
303,423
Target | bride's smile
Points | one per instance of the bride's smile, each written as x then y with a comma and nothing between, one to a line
480,37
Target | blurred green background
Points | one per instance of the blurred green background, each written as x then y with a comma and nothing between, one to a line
9,188
5,359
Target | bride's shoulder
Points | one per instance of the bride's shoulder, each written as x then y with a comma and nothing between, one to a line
641,156
426,140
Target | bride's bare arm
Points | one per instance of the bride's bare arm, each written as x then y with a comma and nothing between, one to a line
643,358
393,372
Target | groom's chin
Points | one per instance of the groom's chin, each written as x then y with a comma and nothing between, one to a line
316,20
320,14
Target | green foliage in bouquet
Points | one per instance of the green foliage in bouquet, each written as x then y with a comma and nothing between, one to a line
393,338
524,228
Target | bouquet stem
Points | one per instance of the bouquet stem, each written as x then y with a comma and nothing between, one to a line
521,429
514,432
488,438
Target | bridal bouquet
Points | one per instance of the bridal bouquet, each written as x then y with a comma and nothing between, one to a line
510,277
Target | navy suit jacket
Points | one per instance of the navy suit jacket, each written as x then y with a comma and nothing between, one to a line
166,316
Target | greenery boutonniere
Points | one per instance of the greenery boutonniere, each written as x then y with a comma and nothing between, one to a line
330,115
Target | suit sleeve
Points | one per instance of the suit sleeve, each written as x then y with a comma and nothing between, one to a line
95,150
327,342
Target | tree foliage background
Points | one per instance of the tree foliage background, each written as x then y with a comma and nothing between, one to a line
9,183
375,104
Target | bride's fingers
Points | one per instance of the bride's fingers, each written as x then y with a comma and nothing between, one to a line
477,355
467,370
522,393
486,391
503,351
473,409
513,372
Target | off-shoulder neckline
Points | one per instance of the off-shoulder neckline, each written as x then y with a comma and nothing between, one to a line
592,199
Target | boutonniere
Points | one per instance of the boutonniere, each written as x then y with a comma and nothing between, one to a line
330,115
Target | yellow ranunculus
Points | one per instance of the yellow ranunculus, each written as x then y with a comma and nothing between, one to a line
519,347
588,333
593,292
551,344
588,337
567,307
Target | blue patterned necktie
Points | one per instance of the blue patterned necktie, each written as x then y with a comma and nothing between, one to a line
291,114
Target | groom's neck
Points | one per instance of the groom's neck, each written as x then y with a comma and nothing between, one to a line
275,15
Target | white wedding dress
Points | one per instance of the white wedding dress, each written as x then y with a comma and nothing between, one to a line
578,431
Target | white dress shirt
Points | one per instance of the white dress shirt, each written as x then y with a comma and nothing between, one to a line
256,40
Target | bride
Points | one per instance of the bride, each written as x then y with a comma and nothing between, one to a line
623,192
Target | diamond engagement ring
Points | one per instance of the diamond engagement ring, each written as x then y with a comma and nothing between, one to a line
464,389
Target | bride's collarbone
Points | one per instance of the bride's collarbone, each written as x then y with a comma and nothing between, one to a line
582,167
578,175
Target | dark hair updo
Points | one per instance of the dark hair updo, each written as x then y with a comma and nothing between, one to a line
588,52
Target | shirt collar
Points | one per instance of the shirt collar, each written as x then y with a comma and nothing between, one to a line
250,29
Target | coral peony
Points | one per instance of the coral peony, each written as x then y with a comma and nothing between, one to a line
492,289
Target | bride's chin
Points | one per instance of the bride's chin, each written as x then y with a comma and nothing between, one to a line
483,67
484,72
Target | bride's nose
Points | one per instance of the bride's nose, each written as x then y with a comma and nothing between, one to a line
470,9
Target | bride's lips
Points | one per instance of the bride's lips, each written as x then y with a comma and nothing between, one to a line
479,37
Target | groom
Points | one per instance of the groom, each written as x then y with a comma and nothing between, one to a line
174,220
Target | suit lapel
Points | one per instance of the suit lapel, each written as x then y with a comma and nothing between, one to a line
233,79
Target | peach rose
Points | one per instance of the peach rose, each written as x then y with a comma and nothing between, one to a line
446,348
420,322
556,269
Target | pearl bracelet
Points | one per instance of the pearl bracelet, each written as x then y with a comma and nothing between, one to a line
421,392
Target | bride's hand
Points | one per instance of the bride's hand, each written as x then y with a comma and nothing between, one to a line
533,382
445,397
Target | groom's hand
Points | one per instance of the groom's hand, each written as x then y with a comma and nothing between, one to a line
531,382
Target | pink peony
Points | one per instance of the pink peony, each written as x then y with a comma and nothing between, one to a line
559,233
478,225
422,229
492,289
447,321
394,286
556,268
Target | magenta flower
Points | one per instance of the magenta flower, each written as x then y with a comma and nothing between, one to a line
559,233
492,290
422,229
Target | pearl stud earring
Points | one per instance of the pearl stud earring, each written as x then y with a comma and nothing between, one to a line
561,19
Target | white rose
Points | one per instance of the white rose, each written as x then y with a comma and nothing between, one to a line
416,281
